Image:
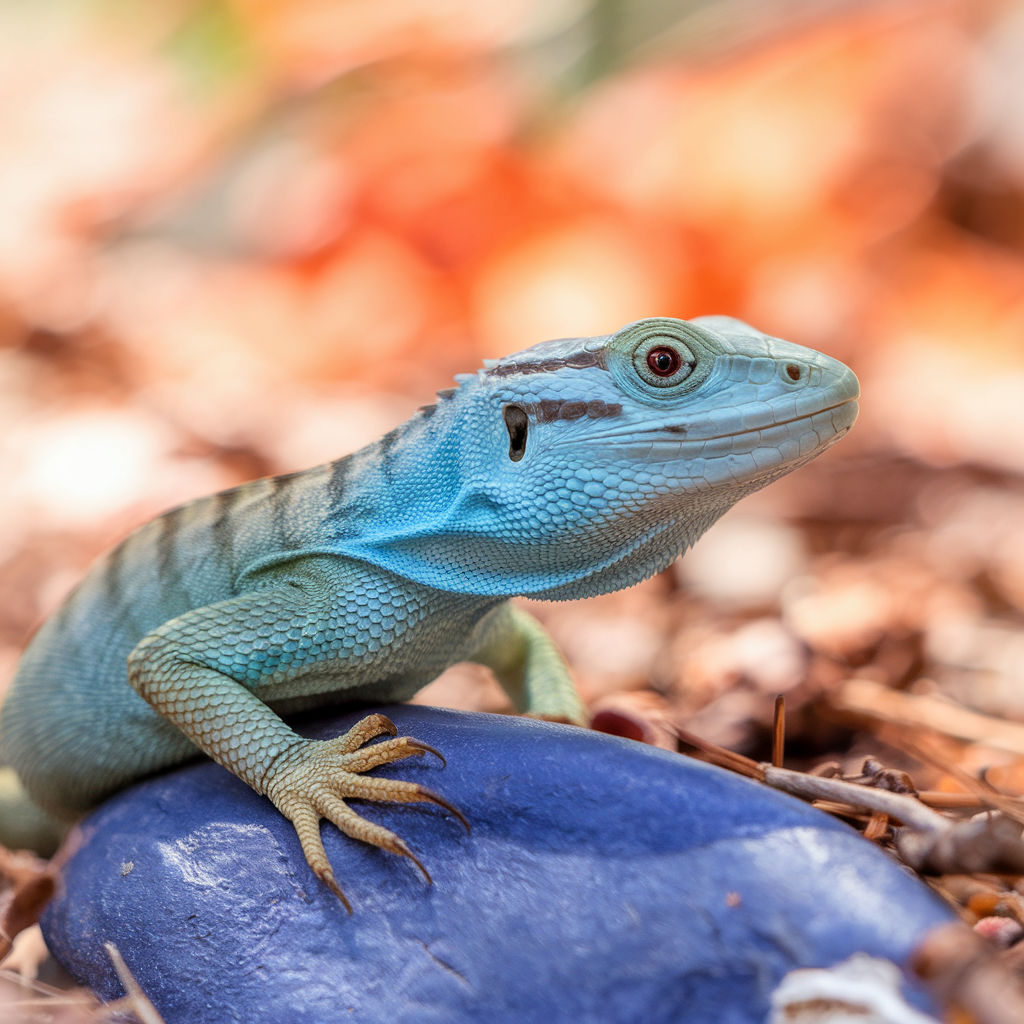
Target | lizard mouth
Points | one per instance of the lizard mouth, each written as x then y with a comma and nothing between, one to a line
677,439
680,431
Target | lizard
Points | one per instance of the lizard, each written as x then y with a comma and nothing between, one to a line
570,469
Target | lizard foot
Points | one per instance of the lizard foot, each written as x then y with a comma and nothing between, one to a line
312,781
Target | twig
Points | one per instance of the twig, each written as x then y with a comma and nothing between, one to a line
842,810
718,755
779,731
136,1000
877,826
897,806
951,801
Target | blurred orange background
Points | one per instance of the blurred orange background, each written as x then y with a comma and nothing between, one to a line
241,237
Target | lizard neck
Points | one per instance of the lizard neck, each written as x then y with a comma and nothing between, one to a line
403,504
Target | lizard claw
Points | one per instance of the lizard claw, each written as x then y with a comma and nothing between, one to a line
427,749
326,875
406,852
434,798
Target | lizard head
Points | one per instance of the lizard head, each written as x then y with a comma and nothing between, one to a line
708,403
587,464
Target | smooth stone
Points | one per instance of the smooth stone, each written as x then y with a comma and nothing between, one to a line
604,880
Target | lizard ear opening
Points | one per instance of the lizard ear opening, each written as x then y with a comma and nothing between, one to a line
517,423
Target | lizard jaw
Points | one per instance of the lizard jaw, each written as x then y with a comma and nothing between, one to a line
663,444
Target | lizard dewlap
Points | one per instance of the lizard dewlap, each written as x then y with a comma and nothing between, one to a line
570,469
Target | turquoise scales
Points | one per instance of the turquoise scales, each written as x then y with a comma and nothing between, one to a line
573,468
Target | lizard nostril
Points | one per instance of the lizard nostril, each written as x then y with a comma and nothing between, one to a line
793,371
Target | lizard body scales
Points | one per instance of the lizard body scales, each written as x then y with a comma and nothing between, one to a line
573,468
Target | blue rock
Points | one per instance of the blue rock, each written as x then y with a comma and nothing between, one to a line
603,881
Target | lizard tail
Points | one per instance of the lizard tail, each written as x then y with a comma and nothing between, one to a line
23,825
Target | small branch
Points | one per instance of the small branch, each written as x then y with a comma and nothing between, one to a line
719,755
905,809
136,1000
779,732
952,801
877,826
842,810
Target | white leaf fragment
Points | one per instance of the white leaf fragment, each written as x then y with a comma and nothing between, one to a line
860,990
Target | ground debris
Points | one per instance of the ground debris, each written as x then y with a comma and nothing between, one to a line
862,988
27,884
988,843
970,977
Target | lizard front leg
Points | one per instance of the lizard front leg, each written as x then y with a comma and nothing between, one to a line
529,666
200,671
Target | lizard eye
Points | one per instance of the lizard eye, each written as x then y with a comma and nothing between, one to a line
663,362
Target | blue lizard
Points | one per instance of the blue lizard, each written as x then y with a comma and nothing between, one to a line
573,468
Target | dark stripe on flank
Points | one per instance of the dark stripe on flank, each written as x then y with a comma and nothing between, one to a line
385,444
336,483
577,361
277,496
170,524
220,522
112,572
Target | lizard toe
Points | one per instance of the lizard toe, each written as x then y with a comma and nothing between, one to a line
359,787
363,731
335,810
386,752
306,820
